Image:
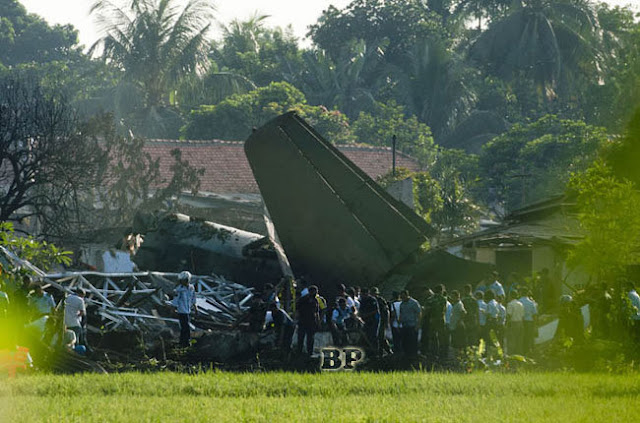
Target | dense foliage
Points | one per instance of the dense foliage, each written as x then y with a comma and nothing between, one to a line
527,91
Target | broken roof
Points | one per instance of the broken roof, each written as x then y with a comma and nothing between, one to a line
550,220
227,170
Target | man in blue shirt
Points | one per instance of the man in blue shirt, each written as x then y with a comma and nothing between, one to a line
184,301
338,323
410,311
40,302
635,303
496,286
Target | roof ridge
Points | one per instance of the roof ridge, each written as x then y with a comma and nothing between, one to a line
202,142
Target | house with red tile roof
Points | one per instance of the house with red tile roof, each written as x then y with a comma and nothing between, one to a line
229,193
227,170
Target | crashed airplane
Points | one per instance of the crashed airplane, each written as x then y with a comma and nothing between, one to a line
174,242
335,223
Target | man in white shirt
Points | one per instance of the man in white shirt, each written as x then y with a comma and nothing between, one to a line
529,321
184,301
74,309
515,318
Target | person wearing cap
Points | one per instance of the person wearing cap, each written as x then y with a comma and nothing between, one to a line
74,310
184,300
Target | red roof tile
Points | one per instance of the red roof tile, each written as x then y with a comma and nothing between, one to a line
227,170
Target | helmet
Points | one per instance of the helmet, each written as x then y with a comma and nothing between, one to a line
566,299
184,276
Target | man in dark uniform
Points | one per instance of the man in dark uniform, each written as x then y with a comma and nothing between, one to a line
438,342
383,308
308,313
426,319
370,315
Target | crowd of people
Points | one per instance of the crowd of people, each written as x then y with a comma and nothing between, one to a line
442,324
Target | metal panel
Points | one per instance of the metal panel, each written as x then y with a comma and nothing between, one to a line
335,223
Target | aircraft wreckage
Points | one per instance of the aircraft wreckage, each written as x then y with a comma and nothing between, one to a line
333,224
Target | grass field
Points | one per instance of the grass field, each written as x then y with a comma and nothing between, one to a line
216,396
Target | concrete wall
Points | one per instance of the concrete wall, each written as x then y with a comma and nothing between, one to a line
403,191
543,256
485,255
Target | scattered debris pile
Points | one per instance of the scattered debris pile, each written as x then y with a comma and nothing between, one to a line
139,302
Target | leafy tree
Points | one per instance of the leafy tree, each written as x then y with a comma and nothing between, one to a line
387,120
234,117
260,54
623,156
458,214
41,254
332,124
443,202
608,213
211,88
25,37
457,176
489,10
129,179
155,44
611,101
401,22
426,190
530,162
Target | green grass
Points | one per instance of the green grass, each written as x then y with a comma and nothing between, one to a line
170,397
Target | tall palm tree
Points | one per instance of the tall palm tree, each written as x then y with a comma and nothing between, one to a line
435,85
244,35
155,44
552,42
349,83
